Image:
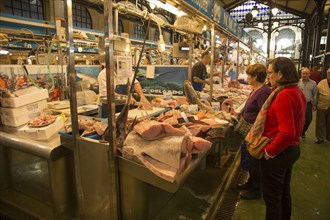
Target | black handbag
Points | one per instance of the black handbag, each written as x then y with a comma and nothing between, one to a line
243,127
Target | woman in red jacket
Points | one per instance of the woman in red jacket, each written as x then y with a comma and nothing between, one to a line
284,124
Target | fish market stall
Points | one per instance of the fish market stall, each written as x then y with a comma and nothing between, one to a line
126,166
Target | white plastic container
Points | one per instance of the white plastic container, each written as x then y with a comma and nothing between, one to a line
25,97
85,97
42,133
18,116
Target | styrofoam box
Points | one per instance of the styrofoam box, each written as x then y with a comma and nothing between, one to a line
18,116
42,133
85,97
25,97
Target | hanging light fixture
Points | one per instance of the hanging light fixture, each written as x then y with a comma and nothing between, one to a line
161,43
168,7
254,11
260,25
204,27
275,24
274,11
152,5
264,34
276,33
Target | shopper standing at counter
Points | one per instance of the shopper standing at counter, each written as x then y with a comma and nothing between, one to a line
199,72
323,110
256,76
283,115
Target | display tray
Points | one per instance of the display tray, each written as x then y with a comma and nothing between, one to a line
142,114
42,125
41,121
84,109
59,104
142,173
42,133
119,100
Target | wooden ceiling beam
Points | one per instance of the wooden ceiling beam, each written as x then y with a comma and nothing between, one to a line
307,2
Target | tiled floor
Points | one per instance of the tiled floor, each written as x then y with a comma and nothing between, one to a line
310,186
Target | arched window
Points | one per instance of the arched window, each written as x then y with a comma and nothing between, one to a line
156,35
285,43
120,27
139,31
257,38
81,16
25,8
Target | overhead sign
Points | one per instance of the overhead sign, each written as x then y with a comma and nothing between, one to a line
213,10
166,78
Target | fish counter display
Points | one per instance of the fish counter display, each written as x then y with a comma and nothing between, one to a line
161,147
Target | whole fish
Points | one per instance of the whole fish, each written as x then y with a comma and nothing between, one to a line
192,97
121,123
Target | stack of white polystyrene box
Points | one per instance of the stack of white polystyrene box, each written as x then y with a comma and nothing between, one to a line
27,104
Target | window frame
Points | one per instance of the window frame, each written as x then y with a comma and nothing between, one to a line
81,16
139,31
23,8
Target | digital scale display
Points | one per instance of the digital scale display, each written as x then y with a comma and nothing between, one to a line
184,48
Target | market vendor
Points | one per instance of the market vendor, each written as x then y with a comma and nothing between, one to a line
217,71
232,71
199,72
120,89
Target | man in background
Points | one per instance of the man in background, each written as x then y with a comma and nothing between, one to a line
316,75
308,87
120,89
199,72
232,71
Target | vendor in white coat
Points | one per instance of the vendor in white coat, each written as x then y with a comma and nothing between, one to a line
120,88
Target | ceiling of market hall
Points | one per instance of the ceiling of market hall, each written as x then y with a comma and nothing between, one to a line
301,8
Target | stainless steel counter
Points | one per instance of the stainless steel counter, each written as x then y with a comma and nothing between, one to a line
50,150
36,178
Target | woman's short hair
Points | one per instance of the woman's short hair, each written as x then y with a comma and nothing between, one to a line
204,54
287,69
258,70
